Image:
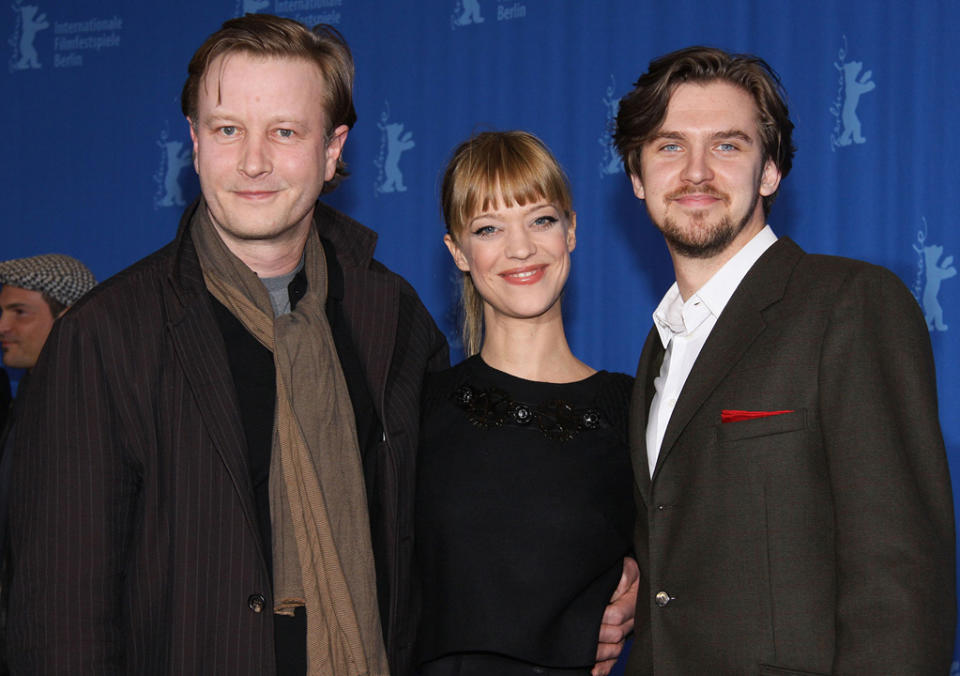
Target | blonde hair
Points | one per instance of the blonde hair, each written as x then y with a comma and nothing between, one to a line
508,168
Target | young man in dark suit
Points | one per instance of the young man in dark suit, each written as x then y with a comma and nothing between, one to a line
795,510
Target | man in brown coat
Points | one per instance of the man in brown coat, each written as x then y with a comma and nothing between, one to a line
200,439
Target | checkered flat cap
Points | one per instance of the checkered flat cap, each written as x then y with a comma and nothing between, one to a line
63,278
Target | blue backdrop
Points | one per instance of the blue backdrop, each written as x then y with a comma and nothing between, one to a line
97,155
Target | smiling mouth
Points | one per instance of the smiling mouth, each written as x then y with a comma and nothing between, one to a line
697,202
697,198
255,194
528,275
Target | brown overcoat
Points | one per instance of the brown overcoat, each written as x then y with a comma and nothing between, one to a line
135,545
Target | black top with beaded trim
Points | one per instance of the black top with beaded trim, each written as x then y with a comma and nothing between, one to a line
524,512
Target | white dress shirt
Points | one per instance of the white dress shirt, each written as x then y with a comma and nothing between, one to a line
684,328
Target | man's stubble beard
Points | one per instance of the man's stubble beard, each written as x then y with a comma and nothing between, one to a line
702,240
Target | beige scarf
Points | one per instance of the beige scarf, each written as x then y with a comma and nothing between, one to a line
322,555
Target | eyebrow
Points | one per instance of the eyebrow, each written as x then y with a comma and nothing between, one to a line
227,118
718,135
215,118
734,133
495,213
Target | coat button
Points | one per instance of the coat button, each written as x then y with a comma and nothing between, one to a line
256,602
662,598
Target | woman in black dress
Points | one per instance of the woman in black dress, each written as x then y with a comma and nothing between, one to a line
524,493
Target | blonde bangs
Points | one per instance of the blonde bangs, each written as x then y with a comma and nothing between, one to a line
499,170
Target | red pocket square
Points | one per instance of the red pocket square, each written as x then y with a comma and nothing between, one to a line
736,416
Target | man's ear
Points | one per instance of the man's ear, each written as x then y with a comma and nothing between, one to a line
334,149
637,186
193,138
457,253
769,179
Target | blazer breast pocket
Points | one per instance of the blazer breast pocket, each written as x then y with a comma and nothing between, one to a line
780,423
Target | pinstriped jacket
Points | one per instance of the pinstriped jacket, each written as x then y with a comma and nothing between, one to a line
135,546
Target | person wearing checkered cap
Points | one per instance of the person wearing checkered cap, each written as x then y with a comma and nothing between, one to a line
36,291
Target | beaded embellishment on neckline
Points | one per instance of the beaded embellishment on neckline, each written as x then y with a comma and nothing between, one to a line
492,407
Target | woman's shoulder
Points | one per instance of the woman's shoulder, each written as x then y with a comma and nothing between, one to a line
452,374
618,385
438,385
613,399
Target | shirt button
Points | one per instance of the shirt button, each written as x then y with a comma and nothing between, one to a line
662,598
256,602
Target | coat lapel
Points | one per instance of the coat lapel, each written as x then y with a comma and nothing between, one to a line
372,316
738,326
197,341
647,370
371,298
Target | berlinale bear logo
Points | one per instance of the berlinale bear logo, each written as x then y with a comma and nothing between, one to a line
175,156
610,162
931,271
393,143
465,13
29,24
851,86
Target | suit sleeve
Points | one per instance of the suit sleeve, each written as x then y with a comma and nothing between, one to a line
439,351
71,512
891,487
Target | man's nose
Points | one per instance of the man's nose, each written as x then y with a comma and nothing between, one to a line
255,157
697,167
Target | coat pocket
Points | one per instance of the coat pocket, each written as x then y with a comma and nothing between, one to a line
762,427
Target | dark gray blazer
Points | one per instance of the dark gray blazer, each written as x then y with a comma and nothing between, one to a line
819,541
133,529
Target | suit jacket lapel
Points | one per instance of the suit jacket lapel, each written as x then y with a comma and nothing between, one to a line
649,368
738,326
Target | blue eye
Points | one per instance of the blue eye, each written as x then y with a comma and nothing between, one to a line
228,130
726,147
670,147
285,133
545,222
484,231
